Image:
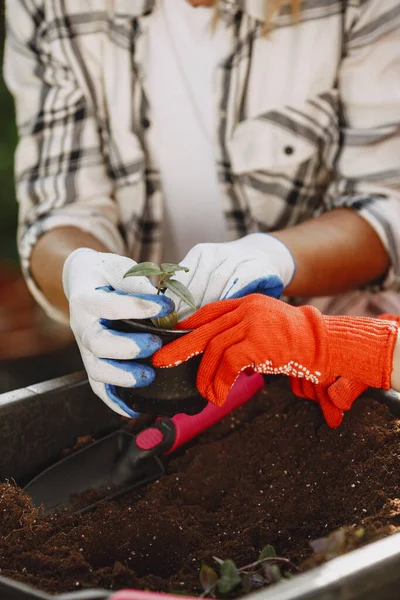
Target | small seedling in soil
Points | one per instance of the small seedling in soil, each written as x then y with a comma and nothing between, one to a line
165,273
262,572
336,543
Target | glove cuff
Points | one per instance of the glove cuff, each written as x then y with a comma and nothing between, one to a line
67,265
362,348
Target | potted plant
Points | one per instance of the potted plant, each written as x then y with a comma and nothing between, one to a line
174,390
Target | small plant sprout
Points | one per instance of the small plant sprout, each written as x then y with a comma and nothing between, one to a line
260,573
165,274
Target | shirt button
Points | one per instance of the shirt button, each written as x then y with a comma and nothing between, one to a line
145,123
289,150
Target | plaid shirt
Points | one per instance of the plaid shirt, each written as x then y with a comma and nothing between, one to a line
309,120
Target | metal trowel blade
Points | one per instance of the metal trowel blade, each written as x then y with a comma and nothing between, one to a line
56,489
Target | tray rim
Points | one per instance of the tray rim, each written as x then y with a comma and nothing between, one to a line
312,585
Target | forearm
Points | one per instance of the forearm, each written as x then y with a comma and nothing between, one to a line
334,253
48,258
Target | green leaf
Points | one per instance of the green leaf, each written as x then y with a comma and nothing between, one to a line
331,546
218,560
246,584
208,578
359,533
171,268
320,545
272,573
267,552
182,292
230,577
144,269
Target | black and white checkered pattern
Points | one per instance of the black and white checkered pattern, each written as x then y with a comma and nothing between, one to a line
309,119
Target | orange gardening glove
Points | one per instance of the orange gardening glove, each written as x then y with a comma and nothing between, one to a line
333,398
272,337
340,393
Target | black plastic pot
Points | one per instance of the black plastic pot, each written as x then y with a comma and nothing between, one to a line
174,390
38,422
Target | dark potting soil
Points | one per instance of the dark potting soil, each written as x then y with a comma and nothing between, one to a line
271,473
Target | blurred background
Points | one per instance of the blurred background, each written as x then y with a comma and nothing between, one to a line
8,139
32,347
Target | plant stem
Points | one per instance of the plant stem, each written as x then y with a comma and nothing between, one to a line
160,284
247,569
210,589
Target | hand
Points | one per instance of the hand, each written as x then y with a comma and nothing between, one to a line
272,337
97,293
257,263
339,394
334,398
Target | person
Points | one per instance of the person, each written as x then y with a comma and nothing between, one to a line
254,141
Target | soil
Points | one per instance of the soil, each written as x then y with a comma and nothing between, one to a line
271,473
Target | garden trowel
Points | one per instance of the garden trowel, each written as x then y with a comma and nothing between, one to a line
122,461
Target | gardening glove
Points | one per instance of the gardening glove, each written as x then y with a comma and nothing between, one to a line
272,337
342,392
333,398
257,263
98,294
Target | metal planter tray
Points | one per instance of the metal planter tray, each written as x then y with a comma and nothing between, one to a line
37,422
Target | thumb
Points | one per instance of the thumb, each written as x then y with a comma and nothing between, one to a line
343,392
193,343
208,313
333,415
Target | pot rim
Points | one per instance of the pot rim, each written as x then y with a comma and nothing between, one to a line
154,329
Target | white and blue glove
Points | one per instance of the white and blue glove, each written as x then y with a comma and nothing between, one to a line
257,263
98,294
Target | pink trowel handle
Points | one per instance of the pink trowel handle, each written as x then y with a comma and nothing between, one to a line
141,595
188,427
167,434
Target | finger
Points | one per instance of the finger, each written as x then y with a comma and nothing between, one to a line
209,313
248,278
123,373
210,368
105,342
333,415
180,350
296,387
318,393
303,388
344,392
193,343
108,395
235,359
107,303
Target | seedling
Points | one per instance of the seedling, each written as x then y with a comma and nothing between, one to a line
258,574
337,543
165,273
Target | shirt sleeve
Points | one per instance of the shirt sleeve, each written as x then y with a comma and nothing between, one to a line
61,176
368,166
